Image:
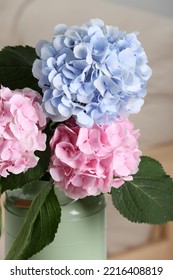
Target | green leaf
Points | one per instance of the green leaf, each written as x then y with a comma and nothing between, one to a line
16,67
14,181
149,197
40,225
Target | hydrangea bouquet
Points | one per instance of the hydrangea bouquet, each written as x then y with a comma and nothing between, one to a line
64,110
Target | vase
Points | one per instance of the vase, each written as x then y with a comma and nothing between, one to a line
81,234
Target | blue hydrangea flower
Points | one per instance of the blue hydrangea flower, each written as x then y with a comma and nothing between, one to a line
96,73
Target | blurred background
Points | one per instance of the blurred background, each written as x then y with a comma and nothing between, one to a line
27,21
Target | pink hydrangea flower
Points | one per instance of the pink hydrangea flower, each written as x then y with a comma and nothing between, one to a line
90,161
21,124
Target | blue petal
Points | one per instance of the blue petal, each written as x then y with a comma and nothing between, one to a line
37,68
47,51
82,52
61,60
57,81
40,45
60,29
104,84
127,57
84,120
112,62
52,75
58,42
64,111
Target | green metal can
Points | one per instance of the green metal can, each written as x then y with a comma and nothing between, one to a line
81,234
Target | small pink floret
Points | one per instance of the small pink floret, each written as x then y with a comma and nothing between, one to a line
21,124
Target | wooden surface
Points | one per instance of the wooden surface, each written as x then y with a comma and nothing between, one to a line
160,244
